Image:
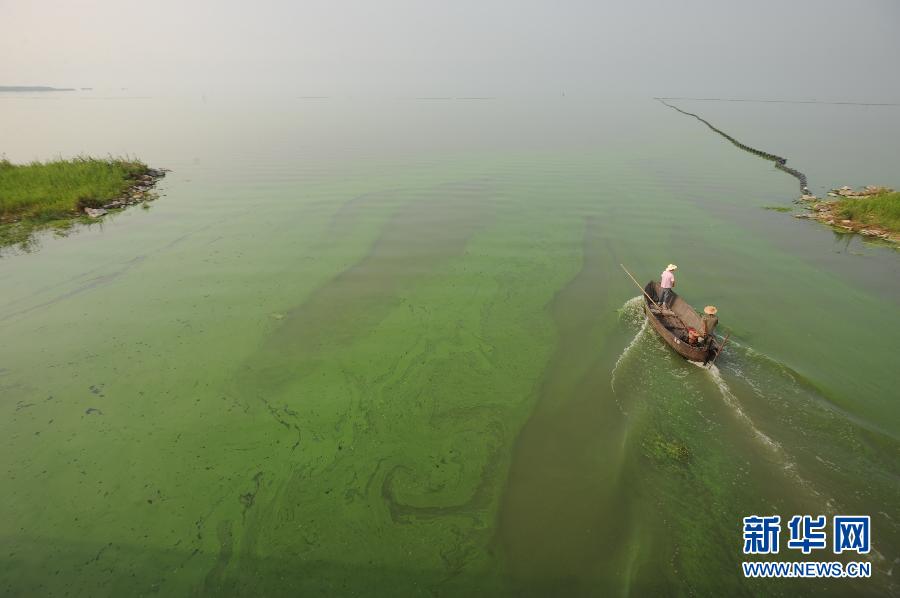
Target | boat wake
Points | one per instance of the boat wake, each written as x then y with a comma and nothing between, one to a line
640,355
735,405
827,505
776,449
633,313
783,423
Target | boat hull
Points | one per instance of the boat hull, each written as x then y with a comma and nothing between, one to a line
687,314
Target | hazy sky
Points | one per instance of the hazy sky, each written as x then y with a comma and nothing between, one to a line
770,49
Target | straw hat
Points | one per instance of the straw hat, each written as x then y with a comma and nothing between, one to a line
671,267
710,309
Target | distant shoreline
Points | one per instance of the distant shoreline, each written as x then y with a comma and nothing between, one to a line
31,88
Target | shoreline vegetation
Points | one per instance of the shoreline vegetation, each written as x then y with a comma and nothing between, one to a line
873,212
57,193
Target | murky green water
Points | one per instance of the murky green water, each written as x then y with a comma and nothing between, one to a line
385,348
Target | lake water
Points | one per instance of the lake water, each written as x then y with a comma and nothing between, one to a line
384,347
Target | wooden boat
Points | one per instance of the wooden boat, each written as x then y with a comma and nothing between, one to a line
673,331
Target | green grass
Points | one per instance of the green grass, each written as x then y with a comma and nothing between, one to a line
882,211
665,450
46,191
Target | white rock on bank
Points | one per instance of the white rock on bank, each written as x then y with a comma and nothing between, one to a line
95,212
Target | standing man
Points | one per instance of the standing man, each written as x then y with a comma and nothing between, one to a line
666,282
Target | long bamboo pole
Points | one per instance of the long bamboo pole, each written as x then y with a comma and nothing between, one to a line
640,287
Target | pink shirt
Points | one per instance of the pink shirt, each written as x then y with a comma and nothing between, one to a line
668,280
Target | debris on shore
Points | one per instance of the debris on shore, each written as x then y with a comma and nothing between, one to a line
140,192
867,191
828,211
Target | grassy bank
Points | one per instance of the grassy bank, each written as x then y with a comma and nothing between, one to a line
45,191
881,211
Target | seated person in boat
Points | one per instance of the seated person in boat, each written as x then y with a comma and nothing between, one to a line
666,283
709,321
